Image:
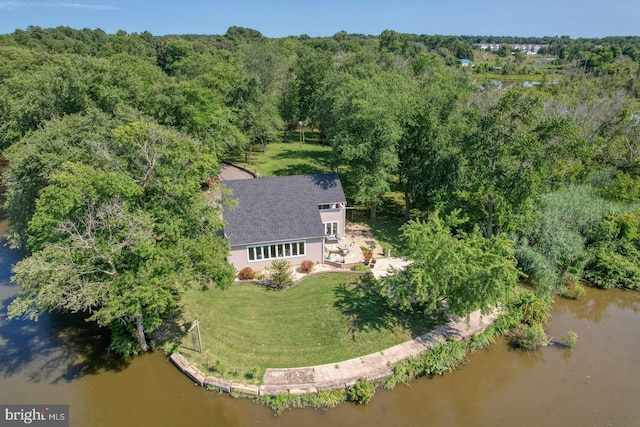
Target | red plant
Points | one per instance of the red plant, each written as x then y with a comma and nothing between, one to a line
247,273
307,265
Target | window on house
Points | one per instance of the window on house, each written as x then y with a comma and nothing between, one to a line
331,206
255,253
276,251
331,228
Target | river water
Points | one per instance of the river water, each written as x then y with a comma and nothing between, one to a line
61,360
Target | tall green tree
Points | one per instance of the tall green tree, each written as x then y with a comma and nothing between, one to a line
511,157
71,84
616,255
259,94
464,270
123,241
573,234
42,153
312,68
429,151
200,111
257,114
365,125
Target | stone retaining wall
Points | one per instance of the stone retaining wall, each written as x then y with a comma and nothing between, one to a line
341,265
343,374
221,384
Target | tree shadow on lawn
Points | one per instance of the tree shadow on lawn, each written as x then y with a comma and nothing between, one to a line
313,162
366,310
171,332
311,137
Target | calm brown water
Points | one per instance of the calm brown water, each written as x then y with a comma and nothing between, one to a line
61,360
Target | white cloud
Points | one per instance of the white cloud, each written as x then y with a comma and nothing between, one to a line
87,6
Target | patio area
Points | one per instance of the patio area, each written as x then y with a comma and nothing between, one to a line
348,250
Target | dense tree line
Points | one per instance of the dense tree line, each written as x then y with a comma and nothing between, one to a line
111,139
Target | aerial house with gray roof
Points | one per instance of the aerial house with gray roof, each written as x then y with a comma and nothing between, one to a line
288,217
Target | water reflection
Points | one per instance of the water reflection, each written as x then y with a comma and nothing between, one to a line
58,347
598,304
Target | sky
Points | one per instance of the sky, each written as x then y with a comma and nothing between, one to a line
317,18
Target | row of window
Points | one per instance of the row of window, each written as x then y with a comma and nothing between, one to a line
330,206
275,251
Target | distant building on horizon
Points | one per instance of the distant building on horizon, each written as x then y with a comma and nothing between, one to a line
529,49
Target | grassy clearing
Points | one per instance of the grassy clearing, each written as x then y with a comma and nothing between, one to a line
289,157
511,78
326,318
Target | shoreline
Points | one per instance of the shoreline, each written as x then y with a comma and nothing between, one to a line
342,375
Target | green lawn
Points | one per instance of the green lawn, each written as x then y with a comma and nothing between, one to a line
326,318
289,157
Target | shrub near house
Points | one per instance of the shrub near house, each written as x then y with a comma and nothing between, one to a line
280,274
307,266
247,273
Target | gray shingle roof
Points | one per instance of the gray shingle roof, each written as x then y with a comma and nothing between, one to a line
279,208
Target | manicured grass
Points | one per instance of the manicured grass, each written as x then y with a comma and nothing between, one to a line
289,157
326,318
510,78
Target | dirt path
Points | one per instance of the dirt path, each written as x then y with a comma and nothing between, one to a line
229,172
